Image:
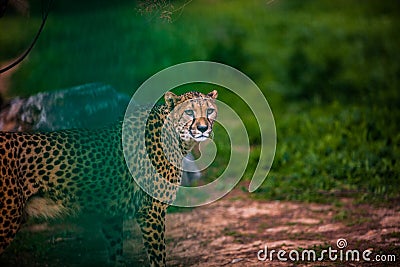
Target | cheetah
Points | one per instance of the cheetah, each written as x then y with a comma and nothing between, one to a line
80,171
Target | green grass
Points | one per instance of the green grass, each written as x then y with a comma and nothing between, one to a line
336,150
330,70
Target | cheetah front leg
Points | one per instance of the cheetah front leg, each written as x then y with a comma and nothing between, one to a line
152,224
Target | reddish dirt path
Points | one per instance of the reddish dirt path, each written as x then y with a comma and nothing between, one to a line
228,232
231,231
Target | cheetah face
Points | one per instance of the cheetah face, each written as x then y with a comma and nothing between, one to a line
193,114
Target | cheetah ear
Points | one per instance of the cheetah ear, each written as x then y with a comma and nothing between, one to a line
213,94
170,100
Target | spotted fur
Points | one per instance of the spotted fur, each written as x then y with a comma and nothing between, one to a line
84,171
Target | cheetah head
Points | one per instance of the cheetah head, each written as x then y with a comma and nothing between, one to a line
193,114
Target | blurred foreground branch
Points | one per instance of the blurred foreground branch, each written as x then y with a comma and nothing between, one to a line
164,9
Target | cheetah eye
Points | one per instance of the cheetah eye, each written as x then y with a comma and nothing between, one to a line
189,112
210,111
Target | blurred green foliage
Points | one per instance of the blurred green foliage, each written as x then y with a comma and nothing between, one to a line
336,151
14,36
330,70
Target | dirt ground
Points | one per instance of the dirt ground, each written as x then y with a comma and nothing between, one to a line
229,232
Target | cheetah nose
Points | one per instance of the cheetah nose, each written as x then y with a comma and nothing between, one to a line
202,128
